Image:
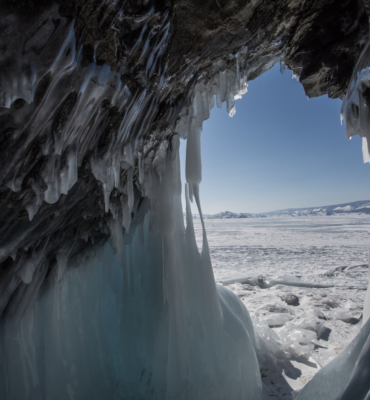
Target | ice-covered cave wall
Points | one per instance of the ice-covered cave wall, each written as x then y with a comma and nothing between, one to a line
94,96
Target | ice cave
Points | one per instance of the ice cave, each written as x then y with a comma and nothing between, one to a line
104,293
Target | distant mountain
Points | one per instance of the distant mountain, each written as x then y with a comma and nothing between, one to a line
229,214
356,207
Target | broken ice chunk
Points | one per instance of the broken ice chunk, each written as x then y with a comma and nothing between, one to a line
297,342
312,324
277,319
343,315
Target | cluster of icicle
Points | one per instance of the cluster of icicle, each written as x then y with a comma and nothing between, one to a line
84,114
137,320
79,118
143,320
355,108
69,122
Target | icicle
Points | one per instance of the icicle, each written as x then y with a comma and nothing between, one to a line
115,227
230,105
106,197
365,150
116,166
282,67
64,180
237,70
62,259
366,311
223,86
130,190
27,269
141,168
35,205
218,100
128,156
193,157
108,187
72,167
126,215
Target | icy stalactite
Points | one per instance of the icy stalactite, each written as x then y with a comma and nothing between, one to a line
356,115
365,150
347,376
83,123
72,119
226,85
144,321
366,311
355,108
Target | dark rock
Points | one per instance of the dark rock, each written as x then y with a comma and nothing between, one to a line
290,299
324,333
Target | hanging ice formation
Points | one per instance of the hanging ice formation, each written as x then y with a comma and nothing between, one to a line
347,376
103,291
139,317
142,320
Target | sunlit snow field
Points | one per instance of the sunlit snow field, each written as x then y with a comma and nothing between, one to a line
299,246
331,250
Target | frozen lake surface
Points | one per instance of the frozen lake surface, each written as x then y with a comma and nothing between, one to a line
330,250
301,246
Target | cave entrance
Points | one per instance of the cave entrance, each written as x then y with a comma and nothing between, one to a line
280,151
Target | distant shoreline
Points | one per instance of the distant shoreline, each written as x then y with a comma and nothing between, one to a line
361,207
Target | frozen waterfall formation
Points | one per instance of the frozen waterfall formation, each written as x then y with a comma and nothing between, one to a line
103,291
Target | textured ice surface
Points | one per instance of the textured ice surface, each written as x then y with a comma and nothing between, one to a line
111,330
328,250
303,247
345,377
144,319
140,318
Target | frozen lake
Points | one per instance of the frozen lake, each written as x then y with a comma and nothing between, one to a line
330,250
300,246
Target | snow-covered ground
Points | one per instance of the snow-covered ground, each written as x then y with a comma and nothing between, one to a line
323,250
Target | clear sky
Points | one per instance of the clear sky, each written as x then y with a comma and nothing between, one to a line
279,151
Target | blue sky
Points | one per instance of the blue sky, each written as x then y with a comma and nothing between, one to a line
280,150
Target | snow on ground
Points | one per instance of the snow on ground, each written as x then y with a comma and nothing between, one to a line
326,250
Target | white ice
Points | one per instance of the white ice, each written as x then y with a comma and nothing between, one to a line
331,251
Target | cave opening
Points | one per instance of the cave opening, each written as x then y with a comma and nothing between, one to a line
279,145
330,170
104,292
